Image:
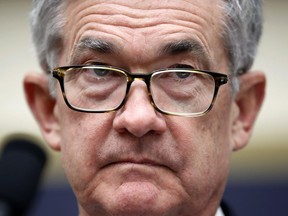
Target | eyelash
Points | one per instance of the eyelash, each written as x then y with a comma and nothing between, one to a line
178,66
182,66
95,63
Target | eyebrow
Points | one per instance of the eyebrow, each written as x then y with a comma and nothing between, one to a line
172,48
95,45
191,46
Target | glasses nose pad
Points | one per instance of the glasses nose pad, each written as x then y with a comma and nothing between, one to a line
145,81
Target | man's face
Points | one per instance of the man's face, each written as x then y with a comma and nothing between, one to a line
137,161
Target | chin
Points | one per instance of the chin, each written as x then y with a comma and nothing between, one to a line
141,198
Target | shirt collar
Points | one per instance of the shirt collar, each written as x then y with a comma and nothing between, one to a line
219,212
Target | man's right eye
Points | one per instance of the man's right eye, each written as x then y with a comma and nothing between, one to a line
101,72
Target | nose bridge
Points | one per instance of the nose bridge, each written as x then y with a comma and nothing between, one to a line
139,90
138,115
140,78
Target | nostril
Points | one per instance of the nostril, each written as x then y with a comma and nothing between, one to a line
138,121
136,124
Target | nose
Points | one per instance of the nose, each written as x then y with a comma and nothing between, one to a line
138,116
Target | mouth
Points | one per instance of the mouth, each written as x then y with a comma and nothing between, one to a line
144,163
137,163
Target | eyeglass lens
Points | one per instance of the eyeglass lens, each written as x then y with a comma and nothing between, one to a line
178,91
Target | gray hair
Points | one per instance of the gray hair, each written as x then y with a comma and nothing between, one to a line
242,28
47,24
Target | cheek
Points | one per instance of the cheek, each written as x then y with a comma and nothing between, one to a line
82,135
206,149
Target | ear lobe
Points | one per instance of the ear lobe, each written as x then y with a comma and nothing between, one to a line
248,102
42,106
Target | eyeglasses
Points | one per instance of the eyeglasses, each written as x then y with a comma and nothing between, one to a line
173,91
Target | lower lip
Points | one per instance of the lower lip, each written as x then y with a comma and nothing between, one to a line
128,165
136,172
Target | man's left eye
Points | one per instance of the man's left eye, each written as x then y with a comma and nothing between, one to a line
183,75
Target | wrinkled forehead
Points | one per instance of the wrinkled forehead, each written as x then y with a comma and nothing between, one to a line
147,4
122,21
140,8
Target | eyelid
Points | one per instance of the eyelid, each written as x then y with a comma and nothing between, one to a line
91,62
182,66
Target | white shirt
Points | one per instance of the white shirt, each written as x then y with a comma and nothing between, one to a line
219,212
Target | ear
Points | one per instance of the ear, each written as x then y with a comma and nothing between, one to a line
42,106
248,102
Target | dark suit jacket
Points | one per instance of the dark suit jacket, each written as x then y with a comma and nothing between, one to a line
227,210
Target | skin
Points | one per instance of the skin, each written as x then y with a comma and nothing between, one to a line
137,161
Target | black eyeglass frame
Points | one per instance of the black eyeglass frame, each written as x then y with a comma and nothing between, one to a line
219,79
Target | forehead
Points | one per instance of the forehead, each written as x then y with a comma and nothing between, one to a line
144,8
139,24
184,5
